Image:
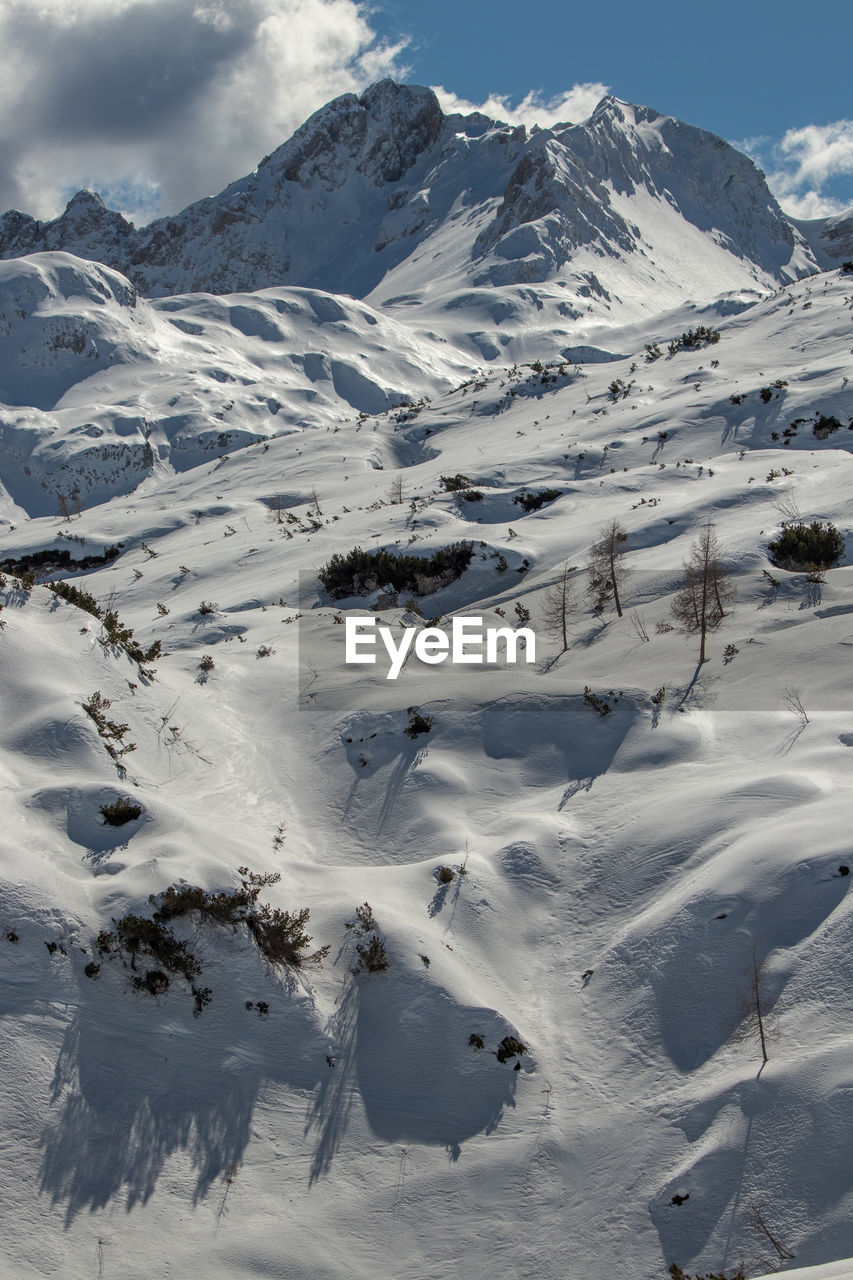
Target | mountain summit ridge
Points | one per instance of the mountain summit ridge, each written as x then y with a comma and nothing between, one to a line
349,202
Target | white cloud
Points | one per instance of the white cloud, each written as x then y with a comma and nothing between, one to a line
807,204
176,97
574,105
803,163
819,152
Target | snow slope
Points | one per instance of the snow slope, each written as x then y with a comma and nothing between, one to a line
103,390
619,870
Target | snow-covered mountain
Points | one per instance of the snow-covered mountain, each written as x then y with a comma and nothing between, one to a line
466,242
582,858
385,195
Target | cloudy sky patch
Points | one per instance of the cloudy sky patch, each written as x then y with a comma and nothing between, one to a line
156,103
175,97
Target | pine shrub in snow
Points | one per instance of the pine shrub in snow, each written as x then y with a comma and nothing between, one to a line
825,426
372,957
534,499
359,572
120,811
693,339
807,547
280,936
418,724
510,1047
455,484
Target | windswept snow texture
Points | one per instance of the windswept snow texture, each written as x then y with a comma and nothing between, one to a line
628,835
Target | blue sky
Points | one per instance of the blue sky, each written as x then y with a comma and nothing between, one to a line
748,70
156,103
737,68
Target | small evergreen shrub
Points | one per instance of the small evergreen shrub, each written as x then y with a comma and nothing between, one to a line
599,703
807,547
693,339
281,936
533,500
58,559
110,730
417,724
120,811
82,599
202,997
373,958
116,633
445,874
825,426
510,1047
476,1041
364,921
177,900
207,607
138,936
359,572
455,484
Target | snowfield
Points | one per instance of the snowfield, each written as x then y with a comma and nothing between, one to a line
626,837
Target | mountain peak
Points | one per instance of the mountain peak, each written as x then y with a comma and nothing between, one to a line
381,133
85,199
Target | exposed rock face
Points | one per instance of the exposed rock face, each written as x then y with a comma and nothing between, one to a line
836,238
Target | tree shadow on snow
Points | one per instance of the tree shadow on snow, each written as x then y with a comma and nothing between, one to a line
383,756
132,1089
401,1045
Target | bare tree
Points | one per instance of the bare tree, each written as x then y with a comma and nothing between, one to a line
561,601
396,491
606,571
639,624
786,505
758,1223
758,1019
701,602
794,702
